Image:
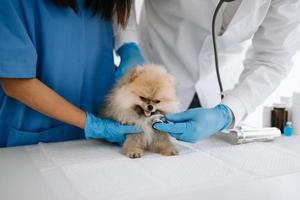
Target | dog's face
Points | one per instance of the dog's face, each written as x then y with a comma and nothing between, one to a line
146,91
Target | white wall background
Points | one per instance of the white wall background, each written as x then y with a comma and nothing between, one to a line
287,87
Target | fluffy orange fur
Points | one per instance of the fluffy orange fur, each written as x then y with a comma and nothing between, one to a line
141,94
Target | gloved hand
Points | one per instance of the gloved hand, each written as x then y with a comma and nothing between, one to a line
130,57
96,128
196,124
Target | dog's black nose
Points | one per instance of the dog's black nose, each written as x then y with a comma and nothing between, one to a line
150,108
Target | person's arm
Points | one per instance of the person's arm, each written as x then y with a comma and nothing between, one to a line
36,95
268,60
267,63
18,65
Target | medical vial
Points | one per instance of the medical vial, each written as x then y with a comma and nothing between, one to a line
279,116
296,113
288,129
266,116
288,101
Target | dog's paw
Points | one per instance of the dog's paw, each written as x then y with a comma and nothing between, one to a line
169,152
134,153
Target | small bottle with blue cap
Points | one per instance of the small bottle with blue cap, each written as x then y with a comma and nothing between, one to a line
288,129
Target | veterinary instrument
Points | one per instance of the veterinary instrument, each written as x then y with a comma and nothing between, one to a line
242,136
215,44
158,118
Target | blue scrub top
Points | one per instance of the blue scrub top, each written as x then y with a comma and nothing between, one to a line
72,53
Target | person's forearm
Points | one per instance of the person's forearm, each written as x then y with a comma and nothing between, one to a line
41,98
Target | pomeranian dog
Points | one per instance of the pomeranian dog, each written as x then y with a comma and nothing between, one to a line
142,94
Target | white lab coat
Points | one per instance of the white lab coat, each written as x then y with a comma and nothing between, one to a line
177,34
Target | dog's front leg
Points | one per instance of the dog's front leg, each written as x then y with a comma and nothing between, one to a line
134,146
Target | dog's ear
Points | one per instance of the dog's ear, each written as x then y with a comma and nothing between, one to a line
131,75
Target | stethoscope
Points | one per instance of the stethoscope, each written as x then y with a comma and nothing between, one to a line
215,44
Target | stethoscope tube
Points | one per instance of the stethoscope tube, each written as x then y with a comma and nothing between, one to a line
215,44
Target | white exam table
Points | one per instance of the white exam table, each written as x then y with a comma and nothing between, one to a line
212,170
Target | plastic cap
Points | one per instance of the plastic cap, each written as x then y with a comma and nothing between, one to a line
289,123
279,105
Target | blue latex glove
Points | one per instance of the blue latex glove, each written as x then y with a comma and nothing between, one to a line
131,56
196,124
96,128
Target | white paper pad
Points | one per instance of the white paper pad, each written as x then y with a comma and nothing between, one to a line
96,170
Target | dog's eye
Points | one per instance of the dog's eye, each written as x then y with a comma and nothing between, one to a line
157,101
142,98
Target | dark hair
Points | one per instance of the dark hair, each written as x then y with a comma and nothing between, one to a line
107,9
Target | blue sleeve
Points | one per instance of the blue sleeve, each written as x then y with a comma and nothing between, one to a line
18,55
